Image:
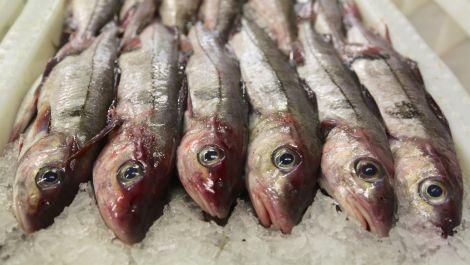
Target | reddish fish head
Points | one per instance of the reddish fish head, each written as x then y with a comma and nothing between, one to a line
44,183
358,174
281,174
130,178
210,166
430,181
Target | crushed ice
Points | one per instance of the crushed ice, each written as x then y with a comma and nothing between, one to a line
180,236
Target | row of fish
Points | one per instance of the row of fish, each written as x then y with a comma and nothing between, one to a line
272,103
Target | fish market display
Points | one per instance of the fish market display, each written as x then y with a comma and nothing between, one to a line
132,174
178,13
135,15
277,17
211,156
357,163
429,179
57,152
284,147
220,15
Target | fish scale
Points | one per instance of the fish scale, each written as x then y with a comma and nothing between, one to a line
353,133
132,174
284,146
72,108
216,123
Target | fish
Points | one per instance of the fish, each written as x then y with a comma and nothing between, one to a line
284,148
135,15
212,153
357,164
428,176
132,174
85,20
72,110
178,13
220,15
277,17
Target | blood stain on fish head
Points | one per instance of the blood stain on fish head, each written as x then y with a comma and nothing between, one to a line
131,177
359,175
45,182
210,166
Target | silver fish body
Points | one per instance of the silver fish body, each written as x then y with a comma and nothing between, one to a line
429,179
277,17
212,152
135,15
178,13
132,173
219,15
284,147
72,108
89,16
357,163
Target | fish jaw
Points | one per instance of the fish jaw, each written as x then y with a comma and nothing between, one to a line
215,187
279,197
130,209
36,207
371,201
418,162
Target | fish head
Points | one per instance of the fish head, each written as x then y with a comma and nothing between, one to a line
358,174
130,176
431,180
44,182
281,168
210,166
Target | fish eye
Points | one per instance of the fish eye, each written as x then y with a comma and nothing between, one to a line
369,169
210,155
130,172
433,192
49,178
285,158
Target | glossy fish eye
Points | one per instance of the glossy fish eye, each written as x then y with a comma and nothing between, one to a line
49,178
433,192
210,155
285,158
130,172
369,169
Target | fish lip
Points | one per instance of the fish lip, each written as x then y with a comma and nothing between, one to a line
269,215
359,210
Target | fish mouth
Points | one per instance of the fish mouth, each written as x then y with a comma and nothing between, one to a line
358,209
271,215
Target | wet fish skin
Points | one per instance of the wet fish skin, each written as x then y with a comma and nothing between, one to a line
72,108
217,118
149,104
177,13
135,15
420,139
277,17
89,16
219,15
284,147
354,136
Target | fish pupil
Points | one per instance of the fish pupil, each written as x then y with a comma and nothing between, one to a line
132,173
211,155
50,177
434,191
286,159
369,170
